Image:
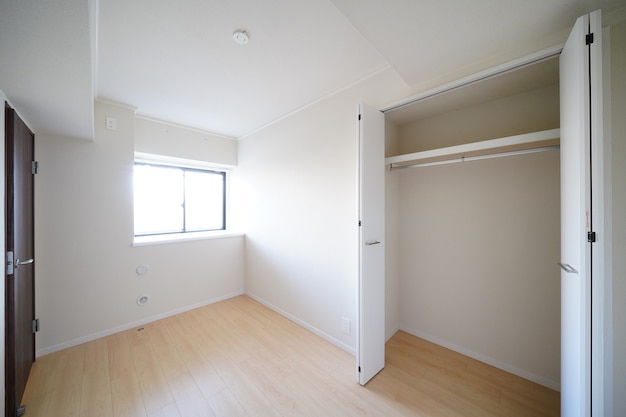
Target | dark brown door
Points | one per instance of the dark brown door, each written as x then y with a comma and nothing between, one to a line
20,274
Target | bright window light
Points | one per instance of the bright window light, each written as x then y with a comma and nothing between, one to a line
171,199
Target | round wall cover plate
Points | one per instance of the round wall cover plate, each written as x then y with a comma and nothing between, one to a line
240,37
142,269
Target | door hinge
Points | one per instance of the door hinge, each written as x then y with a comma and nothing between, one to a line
10,262
359,117
359,223
35,325
591,237
359,369
589,39
35,167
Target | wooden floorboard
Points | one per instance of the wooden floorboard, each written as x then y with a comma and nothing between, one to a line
238,358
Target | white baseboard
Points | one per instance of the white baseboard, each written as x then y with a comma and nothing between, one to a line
108,332
554,385
390,335
304,324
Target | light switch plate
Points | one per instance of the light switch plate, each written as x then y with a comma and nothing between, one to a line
111,123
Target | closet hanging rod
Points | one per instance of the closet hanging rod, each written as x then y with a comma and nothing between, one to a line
476,157
522,62
525,140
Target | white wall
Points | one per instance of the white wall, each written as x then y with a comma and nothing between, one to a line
86,281
618,104
300,177
155,137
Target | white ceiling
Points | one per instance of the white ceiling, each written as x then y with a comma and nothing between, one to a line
429,42
176,60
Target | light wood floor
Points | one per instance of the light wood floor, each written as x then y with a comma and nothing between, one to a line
238,358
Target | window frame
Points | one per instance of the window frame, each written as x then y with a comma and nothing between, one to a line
184,165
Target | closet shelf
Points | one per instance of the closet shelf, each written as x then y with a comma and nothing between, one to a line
545,139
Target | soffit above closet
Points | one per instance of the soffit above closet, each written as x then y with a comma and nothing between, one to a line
527,78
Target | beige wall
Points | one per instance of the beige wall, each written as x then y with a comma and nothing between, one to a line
392,230
531,111
618,105
86,280
479,247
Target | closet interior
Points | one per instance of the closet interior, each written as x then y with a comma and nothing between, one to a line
473,220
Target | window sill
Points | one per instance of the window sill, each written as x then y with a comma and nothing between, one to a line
183,237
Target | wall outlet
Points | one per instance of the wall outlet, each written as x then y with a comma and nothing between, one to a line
345,325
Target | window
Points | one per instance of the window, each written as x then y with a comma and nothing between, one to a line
175,199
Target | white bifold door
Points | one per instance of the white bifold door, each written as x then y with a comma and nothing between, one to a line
581,216
370,354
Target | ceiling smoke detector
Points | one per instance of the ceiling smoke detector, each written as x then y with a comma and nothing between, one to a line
241,37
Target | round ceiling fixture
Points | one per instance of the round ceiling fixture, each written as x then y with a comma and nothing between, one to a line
241,37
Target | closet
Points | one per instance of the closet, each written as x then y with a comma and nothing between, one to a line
473,218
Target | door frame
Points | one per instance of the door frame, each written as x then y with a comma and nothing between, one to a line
3,99
601,201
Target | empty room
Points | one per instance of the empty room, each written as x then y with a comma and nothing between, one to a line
314,207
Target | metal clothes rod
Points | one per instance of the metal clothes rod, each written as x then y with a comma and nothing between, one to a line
477,157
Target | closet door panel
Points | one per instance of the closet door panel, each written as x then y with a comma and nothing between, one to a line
371,298
580,95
